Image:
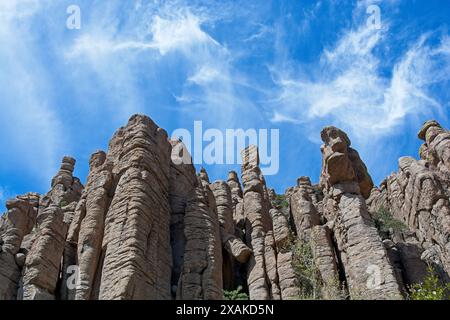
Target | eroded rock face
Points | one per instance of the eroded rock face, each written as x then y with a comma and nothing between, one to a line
304,208
235,251
232,244
418,196
341,164
258,225
368,271
270,271
436,148
42,264
136,243
182,184
282,235
44,245
98,191
237,204
65,188
17,222
201,276
146,226
326,262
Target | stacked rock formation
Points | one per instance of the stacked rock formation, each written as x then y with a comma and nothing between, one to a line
33,234
345,184
235,250
15,225
264,274
418,196
41,272
201,276
303,203
182,185
147,226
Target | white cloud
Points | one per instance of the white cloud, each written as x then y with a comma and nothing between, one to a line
4,196
263,31
279,118
349,87
180,33
176,29
206,74
173,35
29,125
18,9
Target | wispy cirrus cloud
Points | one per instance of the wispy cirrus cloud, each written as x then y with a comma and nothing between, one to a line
29,125
174,35
349,87
181,31
5,194
18,9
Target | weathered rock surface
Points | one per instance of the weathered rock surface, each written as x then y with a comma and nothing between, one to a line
65,188
235,251
136,243
282,235
182,184
98,191
237,204
201,276
418,196
147,226
326,262
256,211
42,264
44,246
15,225
304,208
270,271
368,271
234,246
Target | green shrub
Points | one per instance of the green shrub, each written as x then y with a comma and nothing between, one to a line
432,288
235,294
280,202
288,244
385,222
306,271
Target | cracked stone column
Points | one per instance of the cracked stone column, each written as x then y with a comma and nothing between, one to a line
345,182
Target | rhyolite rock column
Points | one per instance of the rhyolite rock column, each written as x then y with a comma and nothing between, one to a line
346,184
201,276
17,222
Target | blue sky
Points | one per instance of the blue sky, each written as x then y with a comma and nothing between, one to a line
291,65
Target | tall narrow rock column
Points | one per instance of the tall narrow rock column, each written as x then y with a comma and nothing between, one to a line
42,269
16,223
137,255
98,191
42,265
231,243
238,204
235,248
183,181
344,179
258,226
303,211
201,276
